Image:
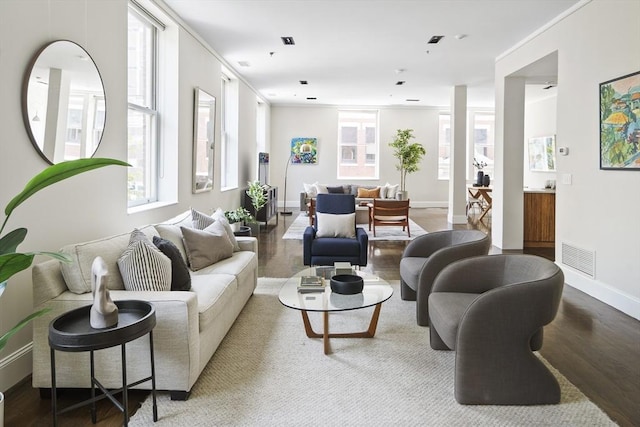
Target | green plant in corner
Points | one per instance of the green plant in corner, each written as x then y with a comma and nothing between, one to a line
11,261
409,154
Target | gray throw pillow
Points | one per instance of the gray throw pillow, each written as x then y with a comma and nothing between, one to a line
205,248
200,220
180,277
336,190
143,267
218,215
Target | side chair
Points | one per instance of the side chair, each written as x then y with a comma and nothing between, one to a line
389,213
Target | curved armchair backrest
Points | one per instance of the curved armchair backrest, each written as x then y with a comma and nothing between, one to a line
425,246
336,203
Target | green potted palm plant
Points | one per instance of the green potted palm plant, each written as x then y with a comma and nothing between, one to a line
11,261
258,200
409,155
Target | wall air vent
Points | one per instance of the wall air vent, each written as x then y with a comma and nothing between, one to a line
288,41
579,259
435,39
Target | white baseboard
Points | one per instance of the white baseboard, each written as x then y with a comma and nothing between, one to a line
626,303
16,366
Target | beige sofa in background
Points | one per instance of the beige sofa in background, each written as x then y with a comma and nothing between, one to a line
190,324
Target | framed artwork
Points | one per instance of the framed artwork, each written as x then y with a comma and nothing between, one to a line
542,154
304,151
620,123
204,118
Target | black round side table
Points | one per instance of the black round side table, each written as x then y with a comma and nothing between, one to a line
72,332
244,231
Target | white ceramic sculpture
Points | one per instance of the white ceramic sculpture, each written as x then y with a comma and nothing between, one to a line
104,313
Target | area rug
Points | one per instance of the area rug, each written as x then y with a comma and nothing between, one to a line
297,227
266,372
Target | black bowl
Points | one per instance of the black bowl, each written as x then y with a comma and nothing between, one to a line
347,284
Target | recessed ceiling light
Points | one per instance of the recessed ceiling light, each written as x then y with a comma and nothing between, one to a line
460,36
304,82
400,82
288,40
399,70
244,63
435,39
311,98
412,100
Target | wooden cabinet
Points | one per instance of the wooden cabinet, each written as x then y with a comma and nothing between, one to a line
269,210
539,219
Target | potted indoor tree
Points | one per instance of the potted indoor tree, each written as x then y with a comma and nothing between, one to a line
409,155
258,200
11,261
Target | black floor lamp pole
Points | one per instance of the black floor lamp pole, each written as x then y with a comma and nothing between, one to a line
286,171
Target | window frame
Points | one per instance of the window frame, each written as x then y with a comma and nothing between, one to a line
361,124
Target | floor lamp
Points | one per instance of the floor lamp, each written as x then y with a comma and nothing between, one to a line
286,171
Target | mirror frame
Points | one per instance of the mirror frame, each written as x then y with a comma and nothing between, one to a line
25,101
203,131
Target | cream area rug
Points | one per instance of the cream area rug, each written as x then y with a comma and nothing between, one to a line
297,227
266,372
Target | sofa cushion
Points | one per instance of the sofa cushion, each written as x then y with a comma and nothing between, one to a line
180,277
339,189
214,291
205,248
144,267
334,225
77,273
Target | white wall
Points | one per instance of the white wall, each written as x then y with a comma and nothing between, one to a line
539,120
598,211
94,204
322,122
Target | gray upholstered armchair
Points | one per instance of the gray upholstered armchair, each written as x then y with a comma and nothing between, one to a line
491,310
426,255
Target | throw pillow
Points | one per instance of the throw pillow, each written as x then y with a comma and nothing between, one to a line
333,225
321,189
200,220
311,189
173,234
143,267
205,248
218,216
180,277
368,194
336,190
391,190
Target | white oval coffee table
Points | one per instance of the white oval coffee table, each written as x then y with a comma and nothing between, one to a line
375,292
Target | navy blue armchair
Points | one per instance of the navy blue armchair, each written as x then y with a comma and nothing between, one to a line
334,235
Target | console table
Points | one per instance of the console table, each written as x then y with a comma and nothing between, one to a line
72,331
269,210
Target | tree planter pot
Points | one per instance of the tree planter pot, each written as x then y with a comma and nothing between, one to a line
402,195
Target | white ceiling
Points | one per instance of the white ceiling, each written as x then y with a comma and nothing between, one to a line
350,51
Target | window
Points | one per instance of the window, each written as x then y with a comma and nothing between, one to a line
142,78
444,145
358,144
229,140
483,140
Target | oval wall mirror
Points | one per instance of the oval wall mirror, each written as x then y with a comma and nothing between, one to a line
63,102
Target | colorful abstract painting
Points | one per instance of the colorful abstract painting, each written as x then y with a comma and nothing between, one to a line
542,154
620,123
304,150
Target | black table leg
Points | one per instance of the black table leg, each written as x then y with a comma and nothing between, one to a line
153,377
93,389
54,395
125,397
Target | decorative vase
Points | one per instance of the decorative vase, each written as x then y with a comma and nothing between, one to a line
402,195
235,226
486,180
104,313
480,181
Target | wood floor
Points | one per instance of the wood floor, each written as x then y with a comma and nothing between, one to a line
595,346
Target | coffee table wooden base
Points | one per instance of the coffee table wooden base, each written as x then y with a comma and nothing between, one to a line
325,335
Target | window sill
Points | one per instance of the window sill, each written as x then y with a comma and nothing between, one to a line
148,207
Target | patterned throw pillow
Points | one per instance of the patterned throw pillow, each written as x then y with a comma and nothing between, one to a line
143,267
180,277
200,220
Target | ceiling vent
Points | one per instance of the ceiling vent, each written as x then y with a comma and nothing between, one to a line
412,100
435,39
311,98
288,41
400,82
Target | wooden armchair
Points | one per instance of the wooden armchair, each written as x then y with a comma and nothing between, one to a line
389,212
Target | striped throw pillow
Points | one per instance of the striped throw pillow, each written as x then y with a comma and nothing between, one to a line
200,220
144,267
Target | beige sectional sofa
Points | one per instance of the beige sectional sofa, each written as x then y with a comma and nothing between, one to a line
190,324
